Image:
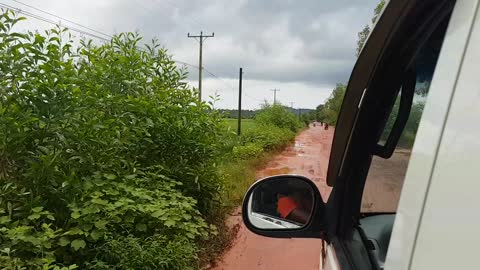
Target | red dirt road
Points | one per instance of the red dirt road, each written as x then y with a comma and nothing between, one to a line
308,157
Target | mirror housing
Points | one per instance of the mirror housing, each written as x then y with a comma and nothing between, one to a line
269,208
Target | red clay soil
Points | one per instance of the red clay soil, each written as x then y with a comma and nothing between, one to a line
308,156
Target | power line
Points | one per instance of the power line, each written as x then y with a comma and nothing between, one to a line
32,15
61,18
38,17
87,33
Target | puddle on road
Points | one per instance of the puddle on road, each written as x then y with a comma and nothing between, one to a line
298,146
299,149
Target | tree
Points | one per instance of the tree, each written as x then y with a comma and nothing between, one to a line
319,113
329,112
362,35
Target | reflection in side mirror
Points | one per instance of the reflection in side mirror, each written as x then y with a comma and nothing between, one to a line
285,204
280,203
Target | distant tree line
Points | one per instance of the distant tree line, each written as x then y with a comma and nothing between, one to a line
302,113
246,114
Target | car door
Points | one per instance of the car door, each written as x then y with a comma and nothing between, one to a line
448,221
364,132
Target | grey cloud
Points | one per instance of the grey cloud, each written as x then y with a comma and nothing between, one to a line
307,41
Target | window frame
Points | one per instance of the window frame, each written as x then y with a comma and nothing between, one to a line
346,196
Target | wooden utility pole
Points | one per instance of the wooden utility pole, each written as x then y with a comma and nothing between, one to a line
239,130
200,39
275,95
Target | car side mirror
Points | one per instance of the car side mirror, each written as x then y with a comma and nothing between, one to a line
284,206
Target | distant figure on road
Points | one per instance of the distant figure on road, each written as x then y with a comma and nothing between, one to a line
326,126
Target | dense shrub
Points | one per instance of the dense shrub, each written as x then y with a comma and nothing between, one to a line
269,137
106,160
247,151
278,116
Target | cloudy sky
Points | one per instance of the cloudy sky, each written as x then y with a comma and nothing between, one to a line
302,47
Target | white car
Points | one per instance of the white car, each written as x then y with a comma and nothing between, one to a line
419,69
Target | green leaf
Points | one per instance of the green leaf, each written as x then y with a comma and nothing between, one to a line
78,244
170,223
37,209
74,231
34,216
99,201
5,219
158,213
75,215
141,227
110,176
96,234
63,241
101,224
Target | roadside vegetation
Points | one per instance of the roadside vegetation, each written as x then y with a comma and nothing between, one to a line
273,128
108,161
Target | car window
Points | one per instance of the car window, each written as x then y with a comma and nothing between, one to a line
385,177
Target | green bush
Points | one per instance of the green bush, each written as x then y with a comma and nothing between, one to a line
270,137
154,253
101,147
278,116
247,151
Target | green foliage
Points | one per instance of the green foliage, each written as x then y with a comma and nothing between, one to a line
363,35
269,137
308,117
278,116
409,132
328,113
104,155
246,114
157,252
247,151
246,124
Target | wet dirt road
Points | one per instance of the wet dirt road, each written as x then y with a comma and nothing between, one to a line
308,156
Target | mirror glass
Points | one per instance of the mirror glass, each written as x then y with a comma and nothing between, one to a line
281,203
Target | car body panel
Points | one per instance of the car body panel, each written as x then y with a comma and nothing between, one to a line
428,137
448,235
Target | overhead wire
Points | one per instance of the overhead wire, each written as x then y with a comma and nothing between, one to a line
34,16
38,17
62,18
97,35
